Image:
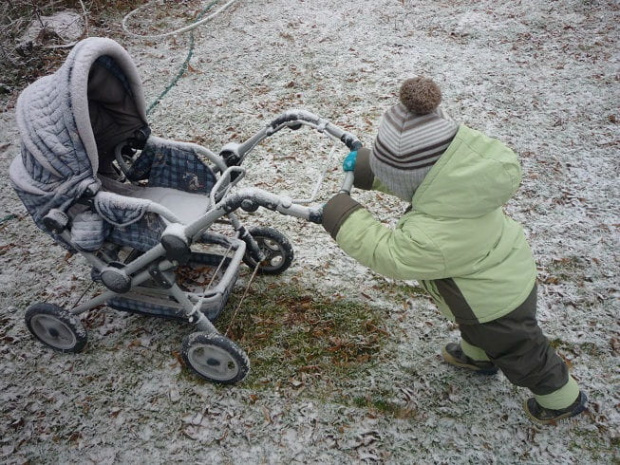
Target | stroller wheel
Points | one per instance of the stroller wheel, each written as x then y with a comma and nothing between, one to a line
55,327
276,247
215,358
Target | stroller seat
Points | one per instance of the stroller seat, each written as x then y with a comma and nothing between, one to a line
184,207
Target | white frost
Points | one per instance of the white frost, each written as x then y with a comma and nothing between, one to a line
542,76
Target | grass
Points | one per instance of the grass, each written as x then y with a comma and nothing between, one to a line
399,290
295,335
323,346
377,403
299,339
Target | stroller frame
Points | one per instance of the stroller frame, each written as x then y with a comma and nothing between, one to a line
147,283
136,239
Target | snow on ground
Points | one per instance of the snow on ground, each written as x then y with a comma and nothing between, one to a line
542,76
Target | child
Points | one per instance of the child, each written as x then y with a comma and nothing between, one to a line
457,242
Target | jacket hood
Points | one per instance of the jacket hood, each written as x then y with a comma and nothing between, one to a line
474,176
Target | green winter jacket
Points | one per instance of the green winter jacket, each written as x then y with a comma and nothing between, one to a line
456,241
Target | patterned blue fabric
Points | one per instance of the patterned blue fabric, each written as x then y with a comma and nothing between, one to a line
35,203
55,169
141,235
88,231
168,165
119,210
131,224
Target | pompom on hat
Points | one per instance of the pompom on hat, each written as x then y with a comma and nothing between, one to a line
420,95
413,134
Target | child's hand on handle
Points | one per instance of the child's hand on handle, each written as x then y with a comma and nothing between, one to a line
349,162
340,206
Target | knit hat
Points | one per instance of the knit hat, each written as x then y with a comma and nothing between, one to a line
412,136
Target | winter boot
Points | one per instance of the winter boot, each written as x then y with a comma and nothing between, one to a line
547,416
453,354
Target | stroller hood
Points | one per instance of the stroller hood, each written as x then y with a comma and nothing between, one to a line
71,121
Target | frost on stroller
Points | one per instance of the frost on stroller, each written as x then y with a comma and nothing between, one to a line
141,209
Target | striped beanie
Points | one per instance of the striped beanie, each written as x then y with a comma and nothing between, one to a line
412,136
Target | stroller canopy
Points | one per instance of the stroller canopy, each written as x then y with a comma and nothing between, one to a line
70,123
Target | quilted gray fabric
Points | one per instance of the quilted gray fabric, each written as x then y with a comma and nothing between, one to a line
88,231
59,156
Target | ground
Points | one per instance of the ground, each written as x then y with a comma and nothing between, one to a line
542,76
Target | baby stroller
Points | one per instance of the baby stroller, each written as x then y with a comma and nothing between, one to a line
141,209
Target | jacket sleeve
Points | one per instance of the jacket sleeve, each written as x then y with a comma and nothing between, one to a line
405,252
336,211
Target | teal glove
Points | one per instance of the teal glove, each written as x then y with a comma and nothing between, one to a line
349,162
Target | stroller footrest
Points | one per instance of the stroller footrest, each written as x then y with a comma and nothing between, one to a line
148,306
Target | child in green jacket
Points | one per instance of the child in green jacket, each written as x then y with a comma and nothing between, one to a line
457,242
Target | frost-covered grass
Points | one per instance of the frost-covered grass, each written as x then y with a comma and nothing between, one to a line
542,76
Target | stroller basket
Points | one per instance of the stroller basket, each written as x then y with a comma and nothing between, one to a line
207,278
146,213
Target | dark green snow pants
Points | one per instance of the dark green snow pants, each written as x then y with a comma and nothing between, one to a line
516,345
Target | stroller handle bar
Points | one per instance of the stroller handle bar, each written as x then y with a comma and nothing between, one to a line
226,201
250,199
234,153
293,118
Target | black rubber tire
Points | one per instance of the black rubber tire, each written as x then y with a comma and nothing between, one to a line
215,358
56,327
277,248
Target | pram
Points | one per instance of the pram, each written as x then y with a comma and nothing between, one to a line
142,209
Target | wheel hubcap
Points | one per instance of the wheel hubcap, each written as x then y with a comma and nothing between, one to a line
273,253
214,362
53,332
